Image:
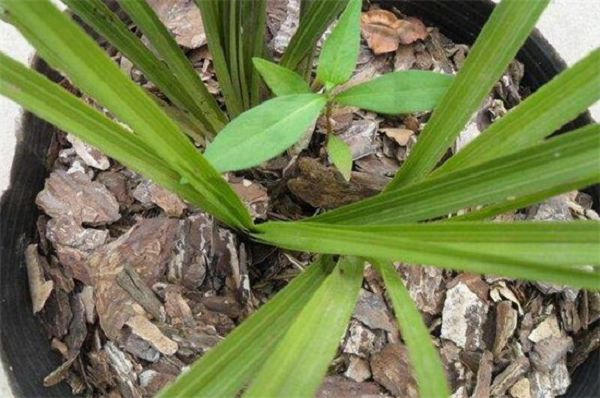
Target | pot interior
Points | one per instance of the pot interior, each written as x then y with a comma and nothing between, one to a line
24,348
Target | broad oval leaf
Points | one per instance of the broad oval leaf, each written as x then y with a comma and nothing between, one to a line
398,92
340,155
264,132
280,79
340,51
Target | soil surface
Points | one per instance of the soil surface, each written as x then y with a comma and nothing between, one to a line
132,284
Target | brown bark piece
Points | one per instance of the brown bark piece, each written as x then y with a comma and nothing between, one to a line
183,19
484,376
130,281
373,312
123,371
509,376
340,387
506,323
146,248
91,156
76,195
584,345
66,231
142,327
425,285
117,184
360,137
254,195
324,187
39,288
547,353
358,369
391,369
191,251
464,314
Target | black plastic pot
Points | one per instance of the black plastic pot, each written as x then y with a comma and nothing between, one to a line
24,348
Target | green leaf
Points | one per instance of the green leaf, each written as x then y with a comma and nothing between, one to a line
496,46
166,47
300,361
280,80
553,252
226,368
51,102
340,50
254,27
66,47
542,113
560,164
340,155
314,23
398,92
97,14
214,21
424,358
264,132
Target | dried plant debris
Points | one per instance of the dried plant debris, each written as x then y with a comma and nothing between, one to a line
132,284
384,31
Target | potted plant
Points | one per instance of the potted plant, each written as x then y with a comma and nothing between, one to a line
263,355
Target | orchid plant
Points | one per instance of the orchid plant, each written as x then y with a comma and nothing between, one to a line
285,348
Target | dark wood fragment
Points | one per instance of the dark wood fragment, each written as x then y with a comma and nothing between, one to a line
584,345
133,284
324,187
391,368
509,376
484,376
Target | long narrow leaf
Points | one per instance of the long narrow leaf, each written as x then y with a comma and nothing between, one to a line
226,368
213,19
254,20
398,92
300,361
425,360
145,18
51,102
562,163
97,14
512,204
523,251
314,23
340,50
497,44
66,47
264,132
544,112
